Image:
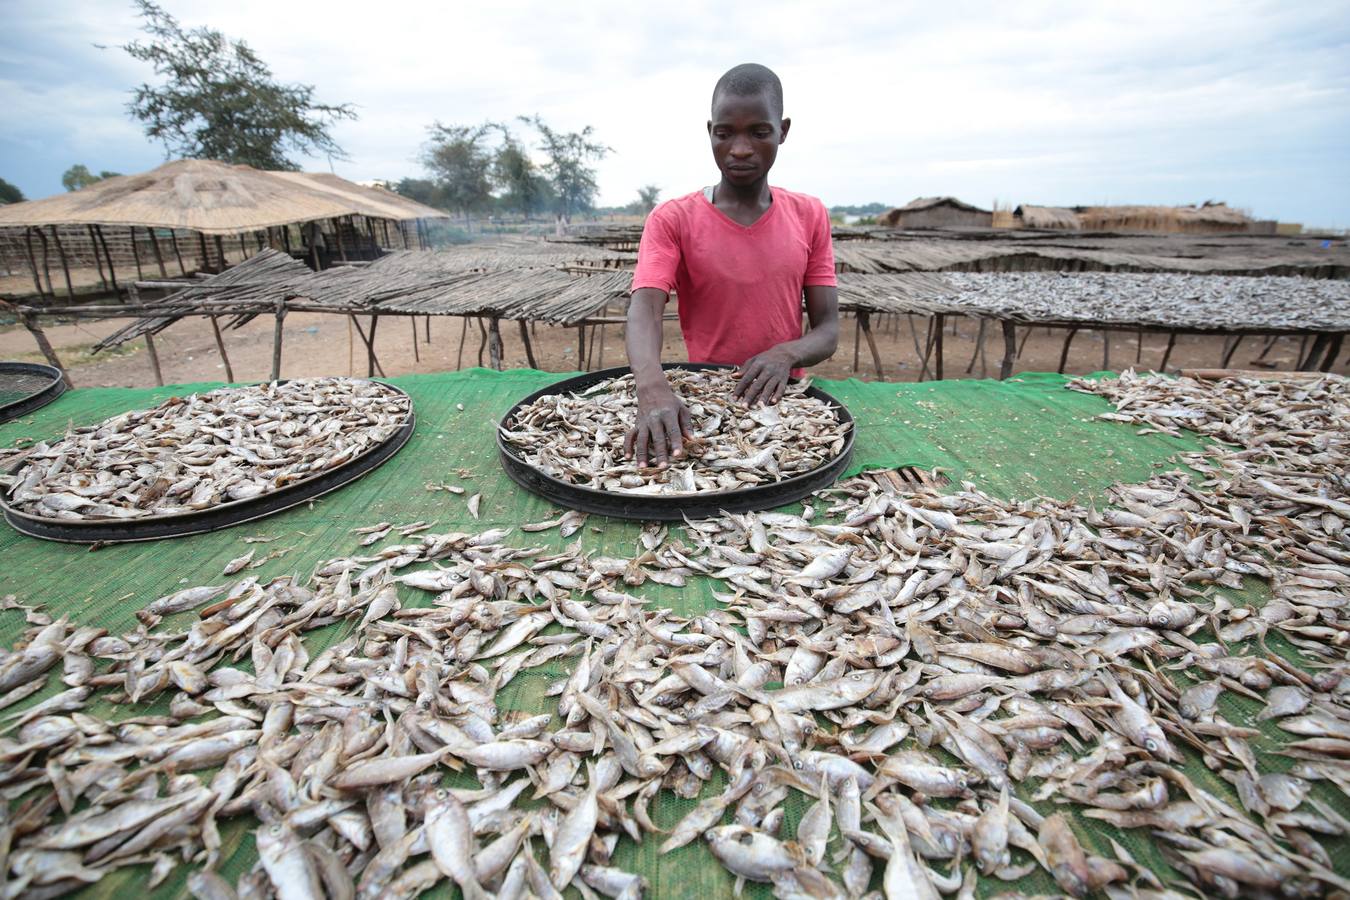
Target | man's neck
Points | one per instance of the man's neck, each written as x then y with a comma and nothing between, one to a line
755,196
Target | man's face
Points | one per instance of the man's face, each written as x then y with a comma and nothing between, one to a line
745,136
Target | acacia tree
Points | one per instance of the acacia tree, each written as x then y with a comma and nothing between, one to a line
523,188
458,159
648,196
9,193
78,176
219,101
568,168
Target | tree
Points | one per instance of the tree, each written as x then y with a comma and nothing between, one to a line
9,193
648,196
569,153
524,189
423,190
78,176
460,163
220,101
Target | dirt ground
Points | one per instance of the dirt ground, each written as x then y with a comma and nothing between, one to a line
318,344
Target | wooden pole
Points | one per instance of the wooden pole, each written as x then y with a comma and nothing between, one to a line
136,254
243,247
286,238
1229,350
98,261
857,339
178,254
1138,345
159,255
370,348
1333,351
276,339
581,347
369,343
495,343
1106,350
1167,354
417,357
865,322
154,358
46,266
112,272
220,345
205,256
220,251
31,323
1009,349
428,328
1270,342
482,340
979,345
65,266
342,251
1319,345
525,339
922,354
32,261
1064,353
1026,336
937,363
463,336
600,360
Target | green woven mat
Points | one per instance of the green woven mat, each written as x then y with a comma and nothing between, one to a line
1019,438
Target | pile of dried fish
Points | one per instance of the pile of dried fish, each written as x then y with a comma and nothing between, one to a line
579,438
194,452
944,677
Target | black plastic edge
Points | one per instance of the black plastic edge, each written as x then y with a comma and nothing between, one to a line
669,508
34,401
119,531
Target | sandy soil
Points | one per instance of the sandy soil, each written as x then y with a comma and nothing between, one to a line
317,344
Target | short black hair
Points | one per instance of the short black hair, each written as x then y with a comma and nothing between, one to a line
751,80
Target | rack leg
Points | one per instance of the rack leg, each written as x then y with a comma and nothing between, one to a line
30,322
525,339
1333,351
937,362
979,344
1009,349
154,359
865,320
1167,354
220,345
417,357
1229,350
495,343
463,336
1064,353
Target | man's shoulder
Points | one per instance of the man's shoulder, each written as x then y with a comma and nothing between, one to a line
804,204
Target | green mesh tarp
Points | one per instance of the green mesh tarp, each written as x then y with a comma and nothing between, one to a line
1024,437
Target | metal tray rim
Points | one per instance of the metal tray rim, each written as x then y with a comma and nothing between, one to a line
669,507
203,520
37,399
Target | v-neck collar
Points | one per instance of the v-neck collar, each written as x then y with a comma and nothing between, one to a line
764,216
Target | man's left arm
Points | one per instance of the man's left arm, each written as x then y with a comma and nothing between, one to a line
765,376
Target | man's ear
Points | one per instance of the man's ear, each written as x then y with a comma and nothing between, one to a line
710,128
782,130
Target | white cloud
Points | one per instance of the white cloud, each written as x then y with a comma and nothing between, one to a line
1047,101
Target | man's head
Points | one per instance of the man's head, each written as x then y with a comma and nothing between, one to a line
747,123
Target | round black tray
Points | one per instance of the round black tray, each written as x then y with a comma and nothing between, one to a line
41,395
671,507
224,515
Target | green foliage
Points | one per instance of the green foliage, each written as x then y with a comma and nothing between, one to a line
220,101
460,162
568,167
9,193
423,190
78,176
648,196
524,189
866,209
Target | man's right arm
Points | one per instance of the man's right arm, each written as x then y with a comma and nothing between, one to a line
662,419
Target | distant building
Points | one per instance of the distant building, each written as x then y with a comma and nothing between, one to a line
937,212
1207,218
1050,217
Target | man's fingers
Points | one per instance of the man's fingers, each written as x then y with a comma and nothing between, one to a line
746,377
659,443
778,390
641,445
671,422
686,422
628,442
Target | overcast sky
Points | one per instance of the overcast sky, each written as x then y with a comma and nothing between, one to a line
1040,102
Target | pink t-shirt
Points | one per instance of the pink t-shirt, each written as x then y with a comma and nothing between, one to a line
739,288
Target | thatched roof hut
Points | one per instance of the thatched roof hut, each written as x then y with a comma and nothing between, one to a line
1056,217
937,212
166,216
1208,218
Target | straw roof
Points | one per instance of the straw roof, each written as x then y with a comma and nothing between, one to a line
1046,217
930,202
1219,216
376,203
212,198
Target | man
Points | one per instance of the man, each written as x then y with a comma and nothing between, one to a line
738,256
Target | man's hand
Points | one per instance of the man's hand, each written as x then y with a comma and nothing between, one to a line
663,422
764,377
